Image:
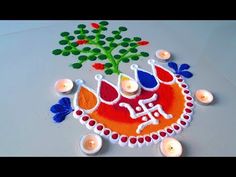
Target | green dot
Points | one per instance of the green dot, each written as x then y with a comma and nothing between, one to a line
65,34
102,57
75,52
86,49
126,39
63,42
107,48
118,36
65,53
113,45
82,57
96,50
76,65
82,26
115,32
108,71
81,36
85,31
101,42
108,65
74,44
104,23
77,31
109,38
103,28
95,31
57,51
117,56
124,44
71,38
92,57
125,60
101,36
91,37
144,54
122,28
122,51
68,48
133,44
134,57
133,50
137,39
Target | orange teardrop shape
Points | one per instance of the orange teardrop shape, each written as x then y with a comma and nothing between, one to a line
86,99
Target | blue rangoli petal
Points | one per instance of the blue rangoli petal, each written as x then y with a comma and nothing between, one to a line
59,117
65,101
173,65
184,67
146,80
57,108
186,74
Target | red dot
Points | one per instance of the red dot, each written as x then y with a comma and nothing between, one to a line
186,117
189,104
155,136
163,134
182,122
176,127
184,85
85,118
180,80
140,140
79,112
169,130
124,139
178,76
100,127
133,140
106,132
115,136
92,123
189,98
186,91
148,138
188,110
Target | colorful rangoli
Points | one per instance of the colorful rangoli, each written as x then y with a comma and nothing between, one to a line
161,107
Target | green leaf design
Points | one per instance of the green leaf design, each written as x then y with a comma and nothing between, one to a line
137,39
118,36
77,32
95,31
91,37
85,31
115,32
133,50
124,44
63,34
133,44
144,54
71,38
74,44
96,50
101,42
75,52
81,36
57,51
104,23
103,28
63,42
134,57
122,28
108,65
86,49
113,44
122,51
107,48
68,48
117,56
81,26
125,60
109,38
82,57
108,71
126,39
102,57
65,53
101,36
92,57
76,65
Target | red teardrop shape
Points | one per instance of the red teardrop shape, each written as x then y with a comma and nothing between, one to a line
148,138
189,104
124,139
106,132
140,140
189,98
163,134
155,137
78,112
108,92
186,117
163,74
85,118
176,127
133,140
182,122
114,136
180,80
188,110
184,86
186,91
100,127
92,123
169,130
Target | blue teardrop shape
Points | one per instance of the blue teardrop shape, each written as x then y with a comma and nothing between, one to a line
147,80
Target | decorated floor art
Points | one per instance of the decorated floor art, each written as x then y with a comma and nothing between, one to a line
139,109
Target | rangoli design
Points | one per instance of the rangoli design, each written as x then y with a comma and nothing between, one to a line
161,107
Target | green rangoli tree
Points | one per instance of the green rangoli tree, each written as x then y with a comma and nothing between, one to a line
92,45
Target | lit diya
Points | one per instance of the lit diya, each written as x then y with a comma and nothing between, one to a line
163,55
64,86
170,147
91,143
130,87
204,96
